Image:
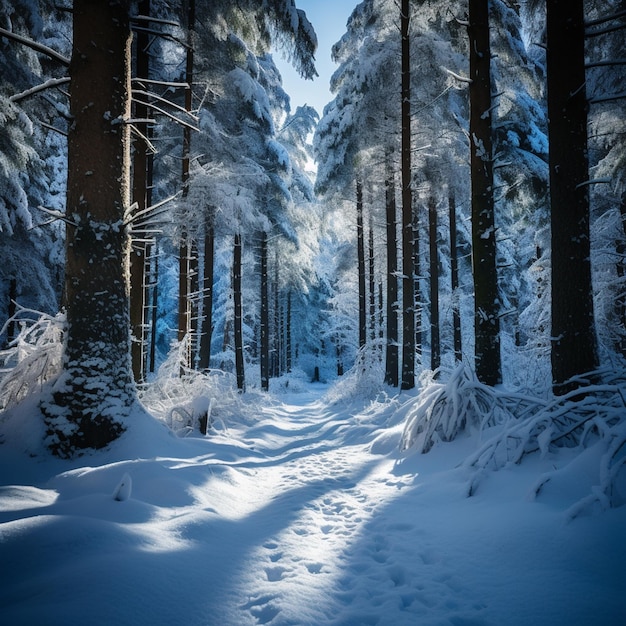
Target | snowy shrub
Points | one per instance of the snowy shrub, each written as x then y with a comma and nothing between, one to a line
592,414
295,381
181,397
364,379
444,409
32,358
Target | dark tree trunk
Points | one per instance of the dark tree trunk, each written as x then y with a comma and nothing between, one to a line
265,327
239,361
360,238
417,290
408,285
574,346
276,350
12,309
435,346
621,272
371,280
391,357
194,298
206,330
140,194
454,282
288,334
486,300
96,387
184,287
154,310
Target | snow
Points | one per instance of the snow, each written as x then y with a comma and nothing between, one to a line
298,511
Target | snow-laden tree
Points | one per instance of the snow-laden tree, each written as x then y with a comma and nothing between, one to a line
32,155
95,391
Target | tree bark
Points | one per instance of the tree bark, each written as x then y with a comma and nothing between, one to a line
206,330
408,285
454,281
391,356
265,340
140,193
184,287
486,299
288,356
435,344
96,389
371,280
238,330
360,239
574,344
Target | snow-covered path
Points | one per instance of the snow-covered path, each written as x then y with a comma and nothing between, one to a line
301,515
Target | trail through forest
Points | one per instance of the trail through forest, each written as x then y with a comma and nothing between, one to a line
303,513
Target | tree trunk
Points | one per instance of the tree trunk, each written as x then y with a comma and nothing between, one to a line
194,301
454,281
391,356
277,339
12,309
140,192
96,387
288,334
417,287
435,345
371,280
154,310
265,340
486,300
184,287
361,264
574,345
206,330
239,361
408,285
621,272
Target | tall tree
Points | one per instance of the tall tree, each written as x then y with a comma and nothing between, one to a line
140,194
265,322
96,388
238,315
486,300
574,343
454,280
360,237
408,290
391,354
435,342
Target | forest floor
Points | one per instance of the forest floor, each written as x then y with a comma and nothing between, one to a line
302,513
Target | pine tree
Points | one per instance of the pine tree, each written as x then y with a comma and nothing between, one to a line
574,343
96,389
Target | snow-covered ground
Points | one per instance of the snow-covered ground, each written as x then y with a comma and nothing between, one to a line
301,513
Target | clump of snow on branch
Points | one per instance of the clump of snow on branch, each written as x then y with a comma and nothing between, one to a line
33,358
461,403
592,415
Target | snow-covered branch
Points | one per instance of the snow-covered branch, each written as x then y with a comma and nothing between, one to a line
53,82
53,54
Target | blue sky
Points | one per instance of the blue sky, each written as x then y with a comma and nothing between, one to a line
329,19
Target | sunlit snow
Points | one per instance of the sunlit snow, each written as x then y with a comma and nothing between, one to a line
301,512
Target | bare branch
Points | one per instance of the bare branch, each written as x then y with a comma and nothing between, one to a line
53,82
606,18
175,106
166,113
161,83
605,63
154,20
53,54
